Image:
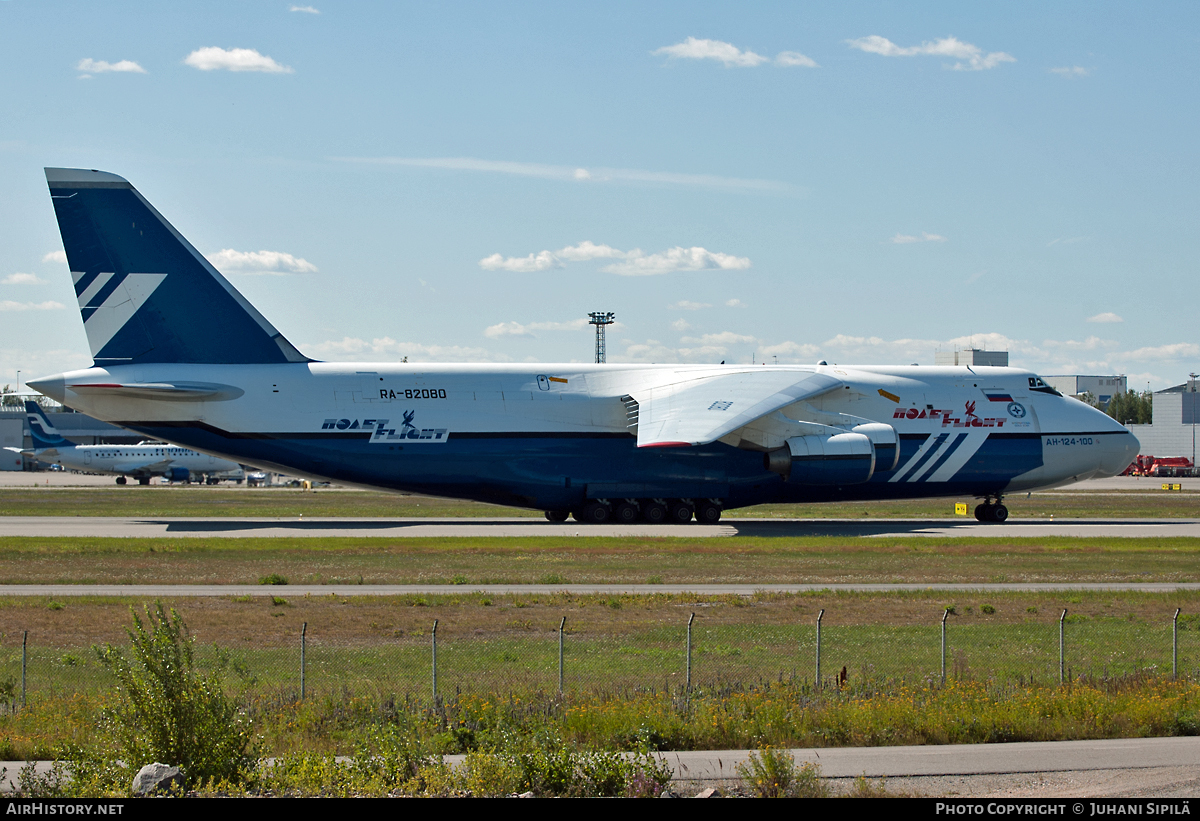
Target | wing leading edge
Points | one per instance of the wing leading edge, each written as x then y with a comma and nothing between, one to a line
700,411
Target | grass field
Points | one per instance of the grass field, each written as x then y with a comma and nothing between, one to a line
597,560
134,500
373,646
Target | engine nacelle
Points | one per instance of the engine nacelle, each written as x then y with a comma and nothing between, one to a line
840,459
886,442
177,474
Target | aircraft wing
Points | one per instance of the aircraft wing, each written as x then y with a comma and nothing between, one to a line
699,411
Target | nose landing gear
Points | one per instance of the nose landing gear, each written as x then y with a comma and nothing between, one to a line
990,511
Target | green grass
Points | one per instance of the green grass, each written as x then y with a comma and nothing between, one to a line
373,647
594,560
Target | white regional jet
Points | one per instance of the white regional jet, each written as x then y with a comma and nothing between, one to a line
181,355
140,462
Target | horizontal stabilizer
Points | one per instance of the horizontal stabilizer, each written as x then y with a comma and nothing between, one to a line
699,411
161,391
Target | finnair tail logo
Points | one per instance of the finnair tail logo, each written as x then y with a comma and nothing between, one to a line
108,300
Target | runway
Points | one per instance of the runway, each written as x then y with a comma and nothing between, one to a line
424,528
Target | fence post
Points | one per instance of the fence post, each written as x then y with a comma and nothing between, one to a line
1175,646
1061,654
562,625
24,660
435,621
819,615
303,642
691,618
945,614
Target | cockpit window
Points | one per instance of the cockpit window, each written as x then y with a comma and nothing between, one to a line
1036,384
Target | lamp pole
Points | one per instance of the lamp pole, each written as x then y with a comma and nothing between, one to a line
600,319
1192,391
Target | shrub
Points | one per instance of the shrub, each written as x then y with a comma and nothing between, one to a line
774,774
169,712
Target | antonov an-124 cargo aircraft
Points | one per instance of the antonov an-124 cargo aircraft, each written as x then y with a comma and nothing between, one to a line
181,356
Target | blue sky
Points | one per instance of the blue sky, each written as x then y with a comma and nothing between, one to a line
858,182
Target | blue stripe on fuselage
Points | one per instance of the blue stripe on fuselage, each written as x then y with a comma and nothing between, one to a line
554,470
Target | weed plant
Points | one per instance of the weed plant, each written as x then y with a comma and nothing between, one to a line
771,773
169,712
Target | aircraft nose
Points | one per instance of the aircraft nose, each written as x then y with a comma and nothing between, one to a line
1117,451
1118,447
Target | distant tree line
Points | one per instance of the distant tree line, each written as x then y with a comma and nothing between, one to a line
1127,408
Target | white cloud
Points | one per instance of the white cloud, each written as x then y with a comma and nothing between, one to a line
633,263
519,329
90,66
788,59
49,305
681,325
1091,355
534,262
734,303
1179,350
588,250
56,256
234,59
260,262
975,59
22,279
676,259
904,239
1107,316
571,173
732,56
791,351
727,53
386,349
722,338
305,9
688,305
1070,71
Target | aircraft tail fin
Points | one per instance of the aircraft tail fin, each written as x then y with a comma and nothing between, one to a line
147,295
43,433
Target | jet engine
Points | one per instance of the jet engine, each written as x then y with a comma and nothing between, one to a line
886,442
177,474
841,458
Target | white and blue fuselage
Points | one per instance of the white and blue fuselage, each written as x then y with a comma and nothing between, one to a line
555,436
180,355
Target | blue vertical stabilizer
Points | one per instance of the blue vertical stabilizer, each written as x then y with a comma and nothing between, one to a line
41,431
146,295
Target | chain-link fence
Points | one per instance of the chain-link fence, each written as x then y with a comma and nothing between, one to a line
691,651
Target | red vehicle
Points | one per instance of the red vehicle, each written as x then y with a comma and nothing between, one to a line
1161,466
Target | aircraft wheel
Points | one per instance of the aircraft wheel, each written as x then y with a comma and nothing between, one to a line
557,515
145,481
121,480
679,513
654,513
999,513
595,513
983,513
708,513
625,513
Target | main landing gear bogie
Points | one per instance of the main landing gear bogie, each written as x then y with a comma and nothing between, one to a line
993,512
650,511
